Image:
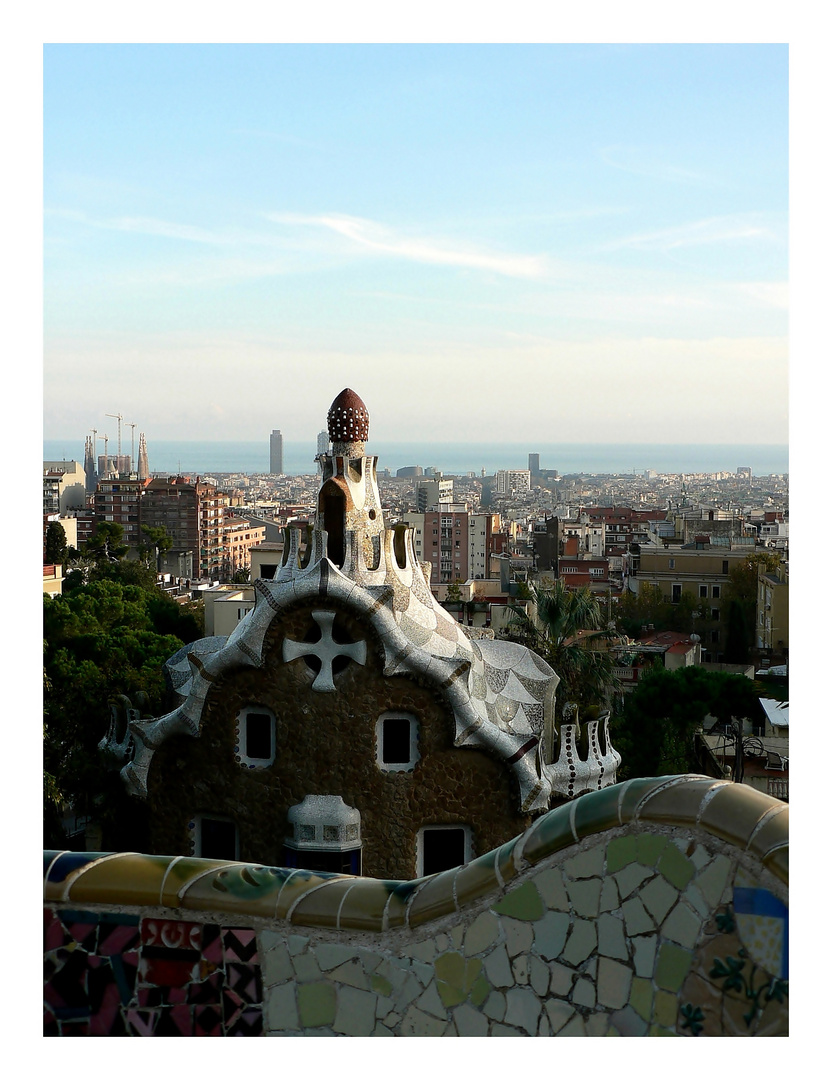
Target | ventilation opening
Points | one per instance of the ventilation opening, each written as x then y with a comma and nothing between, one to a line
339,635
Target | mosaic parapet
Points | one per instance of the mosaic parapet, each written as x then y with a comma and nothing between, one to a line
746,819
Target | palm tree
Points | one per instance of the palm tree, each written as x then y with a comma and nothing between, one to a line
562,627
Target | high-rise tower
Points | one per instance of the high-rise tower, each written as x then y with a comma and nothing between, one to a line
276,453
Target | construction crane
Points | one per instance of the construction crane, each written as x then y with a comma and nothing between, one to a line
119,417
105,439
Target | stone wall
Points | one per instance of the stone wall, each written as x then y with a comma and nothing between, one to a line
326,745
655,907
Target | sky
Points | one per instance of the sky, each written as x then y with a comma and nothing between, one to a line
581,243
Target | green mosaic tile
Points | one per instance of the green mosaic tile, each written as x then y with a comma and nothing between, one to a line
641,997
649,847
455,977
597,811
477,878
434,898
550,934
620,853
316,1004
551,833
479,991
676,867
380,985
672,966
523,902
634,791
682,926
354,1014
665,1008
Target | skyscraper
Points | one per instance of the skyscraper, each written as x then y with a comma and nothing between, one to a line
323,442
276,453
534,464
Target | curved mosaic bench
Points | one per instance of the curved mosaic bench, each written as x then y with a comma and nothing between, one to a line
651,907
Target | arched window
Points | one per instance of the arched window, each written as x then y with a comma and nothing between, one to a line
333,505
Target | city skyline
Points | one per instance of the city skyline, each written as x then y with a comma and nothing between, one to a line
541,241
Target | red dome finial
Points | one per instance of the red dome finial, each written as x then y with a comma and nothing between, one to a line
348,420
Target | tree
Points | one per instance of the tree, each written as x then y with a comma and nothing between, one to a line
55,549
740,604
655,727
554,631
106,544
650,607
158,542
101,640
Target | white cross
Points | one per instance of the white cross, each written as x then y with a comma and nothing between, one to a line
326,649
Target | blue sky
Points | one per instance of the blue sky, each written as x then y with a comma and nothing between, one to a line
560,242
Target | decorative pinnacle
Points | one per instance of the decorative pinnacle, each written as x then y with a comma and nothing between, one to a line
348,420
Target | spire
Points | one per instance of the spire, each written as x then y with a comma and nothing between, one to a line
142,471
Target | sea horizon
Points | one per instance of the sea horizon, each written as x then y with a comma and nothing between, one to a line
170,456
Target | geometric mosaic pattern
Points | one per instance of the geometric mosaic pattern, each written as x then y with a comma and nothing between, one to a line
657,907
108,973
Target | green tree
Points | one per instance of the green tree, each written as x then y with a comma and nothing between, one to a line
158,542
101,640
654,728
740,604
55,549
554,629
107,542
649,607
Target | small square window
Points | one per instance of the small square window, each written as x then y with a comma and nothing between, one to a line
442,847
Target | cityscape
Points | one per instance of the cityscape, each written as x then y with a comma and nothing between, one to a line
415,534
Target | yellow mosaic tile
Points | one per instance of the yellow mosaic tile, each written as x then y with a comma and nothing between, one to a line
129,879
364,906
734,811
432,899
321,905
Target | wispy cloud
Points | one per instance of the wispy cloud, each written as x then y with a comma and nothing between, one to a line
634,160
383,240
715,230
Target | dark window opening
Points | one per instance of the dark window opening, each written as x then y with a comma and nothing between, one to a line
395,740
268,570
442,849
330,862
217,839
258,735
335,509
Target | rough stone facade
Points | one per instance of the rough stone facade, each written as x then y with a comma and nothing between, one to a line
326,744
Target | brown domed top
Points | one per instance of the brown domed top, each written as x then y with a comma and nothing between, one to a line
348,420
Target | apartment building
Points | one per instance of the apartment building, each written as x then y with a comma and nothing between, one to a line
118,500
241,535
512,481
772,630
700,569
64,487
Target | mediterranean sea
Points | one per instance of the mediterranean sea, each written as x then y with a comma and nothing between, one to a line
169,457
